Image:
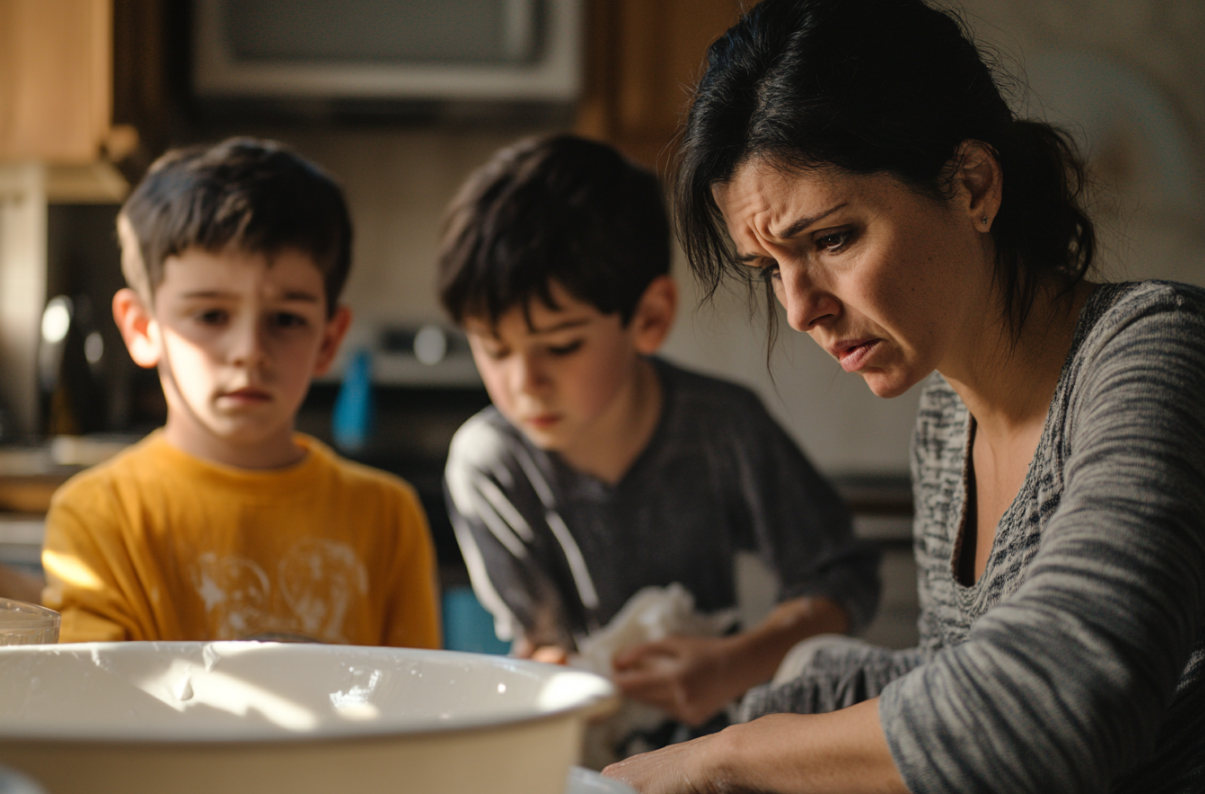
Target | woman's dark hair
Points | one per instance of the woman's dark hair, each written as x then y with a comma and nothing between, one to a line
558,208
876,86
256,195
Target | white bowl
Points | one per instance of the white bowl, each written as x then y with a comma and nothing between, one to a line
226,718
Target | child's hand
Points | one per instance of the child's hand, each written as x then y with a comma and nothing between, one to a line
683,676
548,654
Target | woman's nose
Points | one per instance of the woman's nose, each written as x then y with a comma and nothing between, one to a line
806,303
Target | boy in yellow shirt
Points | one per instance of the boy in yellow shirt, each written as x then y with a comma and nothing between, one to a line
227,524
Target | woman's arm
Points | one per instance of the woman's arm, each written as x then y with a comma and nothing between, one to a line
692,678
843,752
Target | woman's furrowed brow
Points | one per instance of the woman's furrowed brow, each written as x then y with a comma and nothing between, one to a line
794,229
801,224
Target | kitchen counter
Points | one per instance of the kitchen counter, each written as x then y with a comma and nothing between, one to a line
881,504
29,475
887,494
29,493
28,478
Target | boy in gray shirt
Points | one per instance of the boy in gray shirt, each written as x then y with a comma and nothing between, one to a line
600,470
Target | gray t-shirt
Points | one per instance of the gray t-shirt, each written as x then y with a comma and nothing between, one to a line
555,553
1077,662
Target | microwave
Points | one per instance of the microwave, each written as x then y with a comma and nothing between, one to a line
382,50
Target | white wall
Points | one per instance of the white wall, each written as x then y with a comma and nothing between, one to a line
1127,78
1132,72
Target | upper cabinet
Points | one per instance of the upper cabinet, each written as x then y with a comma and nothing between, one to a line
81,91
55,79
643,60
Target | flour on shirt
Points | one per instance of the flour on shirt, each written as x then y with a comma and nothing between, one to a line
317,581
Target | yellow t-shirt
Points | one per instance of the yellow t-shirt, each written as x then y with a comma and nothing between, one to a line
159,545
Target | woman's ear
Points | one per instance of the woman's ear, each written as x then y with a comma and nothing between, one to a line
138,328
980,175
655,315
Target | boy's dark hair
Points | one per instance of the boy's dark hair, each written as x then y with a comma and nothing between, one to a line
258,196
559,208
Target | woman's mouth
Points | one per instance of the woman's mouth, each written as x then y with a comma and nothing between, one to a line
853,356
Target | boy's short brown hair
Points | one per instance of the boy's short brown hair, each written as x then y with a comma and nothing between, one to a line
256,195
560,208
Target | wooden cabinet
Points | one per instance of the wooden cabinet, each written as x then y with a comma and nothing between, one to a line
82,92
643,60
55,79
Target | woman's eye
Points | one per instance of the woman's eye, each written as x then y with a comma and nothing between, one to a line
834,242
565,350
771,272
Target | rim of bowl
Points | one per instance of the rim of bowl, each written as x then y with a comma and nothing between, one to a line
35,611
602,701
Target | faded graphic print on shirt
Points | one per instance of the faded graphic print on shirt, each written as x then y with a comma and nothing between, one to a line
315,584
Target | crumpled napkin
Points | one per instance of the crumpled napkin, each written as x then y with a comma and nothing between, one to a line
652,614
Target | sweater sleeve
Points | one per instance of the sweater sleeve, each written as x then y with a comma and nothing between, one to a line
1065,684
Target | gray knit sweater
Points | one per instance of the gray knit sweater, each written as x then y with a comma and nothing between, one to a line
1077,662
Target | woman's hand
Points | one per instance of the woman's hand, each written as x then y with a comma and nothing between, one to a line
682,676
844,752
686,768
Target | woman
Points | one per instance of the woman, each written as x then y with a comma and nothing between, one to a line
858,156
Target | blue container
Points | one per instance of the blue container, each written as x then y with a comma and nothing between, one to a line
468,626
352,419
